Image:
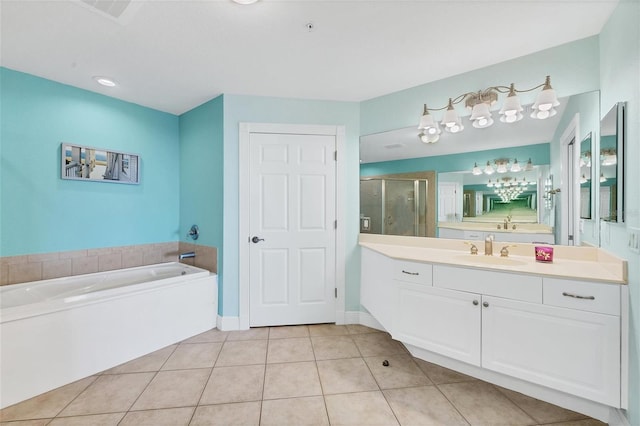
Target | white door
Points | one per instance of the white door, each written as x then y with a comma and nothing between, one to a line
448,202
292,213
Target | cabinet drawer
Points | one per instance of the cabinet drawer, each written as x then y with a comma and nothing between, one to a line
586,296
527,288
413,272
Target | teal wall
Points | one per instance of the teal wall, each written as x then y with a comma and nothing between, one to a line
201,177
254,109
42,212
538,153
620,81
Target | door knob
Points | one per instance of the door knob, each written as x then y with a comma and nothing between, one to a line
256,240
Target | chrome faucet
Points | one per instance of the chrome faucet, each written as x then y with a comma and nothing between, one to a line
488,245
187,255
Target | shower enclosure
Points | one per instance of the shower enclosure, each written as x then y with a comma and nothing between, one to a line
393,206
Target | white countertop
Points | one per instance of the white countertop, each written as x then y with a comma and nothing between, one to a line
589,263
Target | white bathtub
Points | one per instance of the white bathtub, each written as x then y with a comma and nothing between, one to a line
54,332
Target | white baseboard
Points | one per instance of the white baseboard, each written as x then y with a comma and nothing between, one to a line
227,323
363,318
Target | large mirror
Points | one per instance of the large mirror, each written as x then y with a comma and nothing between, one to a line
611,179
523,206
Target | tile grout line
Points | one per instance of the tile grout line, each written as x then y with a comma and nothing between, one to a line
208,378
437,386
152,378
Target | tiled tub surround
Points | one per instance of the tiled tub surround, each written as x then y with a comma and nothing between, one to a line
57,331
34,267
317,374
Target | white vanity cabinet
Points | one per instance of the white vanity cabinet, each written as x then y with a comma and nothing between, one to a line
558,333
570,350
442,321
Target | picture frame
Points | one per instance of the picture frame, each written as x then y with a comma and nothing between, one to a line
87,163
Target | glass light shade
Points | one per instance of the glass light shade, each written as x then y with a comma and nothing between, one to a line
515,167
583,179
602,178
511,109
541,115
546,100
428,124
489,169
490,184
451,121
609,160
529,166
429,138
481,116
476,170
502,168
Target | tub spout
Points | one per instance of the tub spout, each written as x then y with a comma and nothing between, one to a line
187,255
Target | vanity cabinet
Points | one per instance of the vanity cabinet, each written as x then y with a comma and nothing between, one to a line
570,350
558,333
442,321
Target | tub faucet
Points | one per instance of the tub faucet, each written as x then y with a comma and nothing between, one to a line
187,255
488,245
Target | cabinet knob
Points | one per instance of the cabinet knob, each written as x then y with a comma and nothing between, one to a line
485,304
475,303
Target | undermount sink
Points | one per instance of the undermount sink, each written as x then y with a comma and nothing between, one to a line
481,259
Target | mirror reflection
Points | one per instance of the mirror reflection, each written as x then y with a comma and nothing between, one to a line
586,188
469,205
611,164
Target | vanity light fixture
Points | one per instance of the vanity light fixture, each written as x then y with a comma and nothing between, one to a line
583,179
602,178
481,101
502,165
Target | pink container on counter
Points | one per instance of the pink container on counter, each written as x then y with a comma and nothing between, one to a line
544,254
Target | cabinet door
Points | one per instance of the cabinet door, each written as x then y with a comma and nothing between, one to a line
442,321
573,351
376,286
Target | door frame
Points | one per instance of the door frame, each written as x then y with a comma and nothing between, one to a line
570,167
245,130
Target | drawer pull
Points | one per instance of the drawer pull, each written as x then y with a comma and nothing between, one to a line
410,273
577,296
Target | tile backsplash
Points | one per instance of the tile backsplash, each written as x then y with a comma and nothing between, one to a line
34,267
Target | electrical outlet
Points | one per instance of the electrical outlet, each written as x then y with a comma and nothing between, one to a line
634,240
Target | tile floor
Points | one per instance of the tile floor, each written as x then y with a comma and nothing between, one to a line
302,375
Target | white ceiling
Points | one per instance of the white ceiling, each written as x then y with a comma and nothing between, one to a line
173,55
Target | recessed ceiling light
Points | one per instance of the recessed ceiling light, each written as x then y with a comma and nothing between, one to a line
244,1
105,81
